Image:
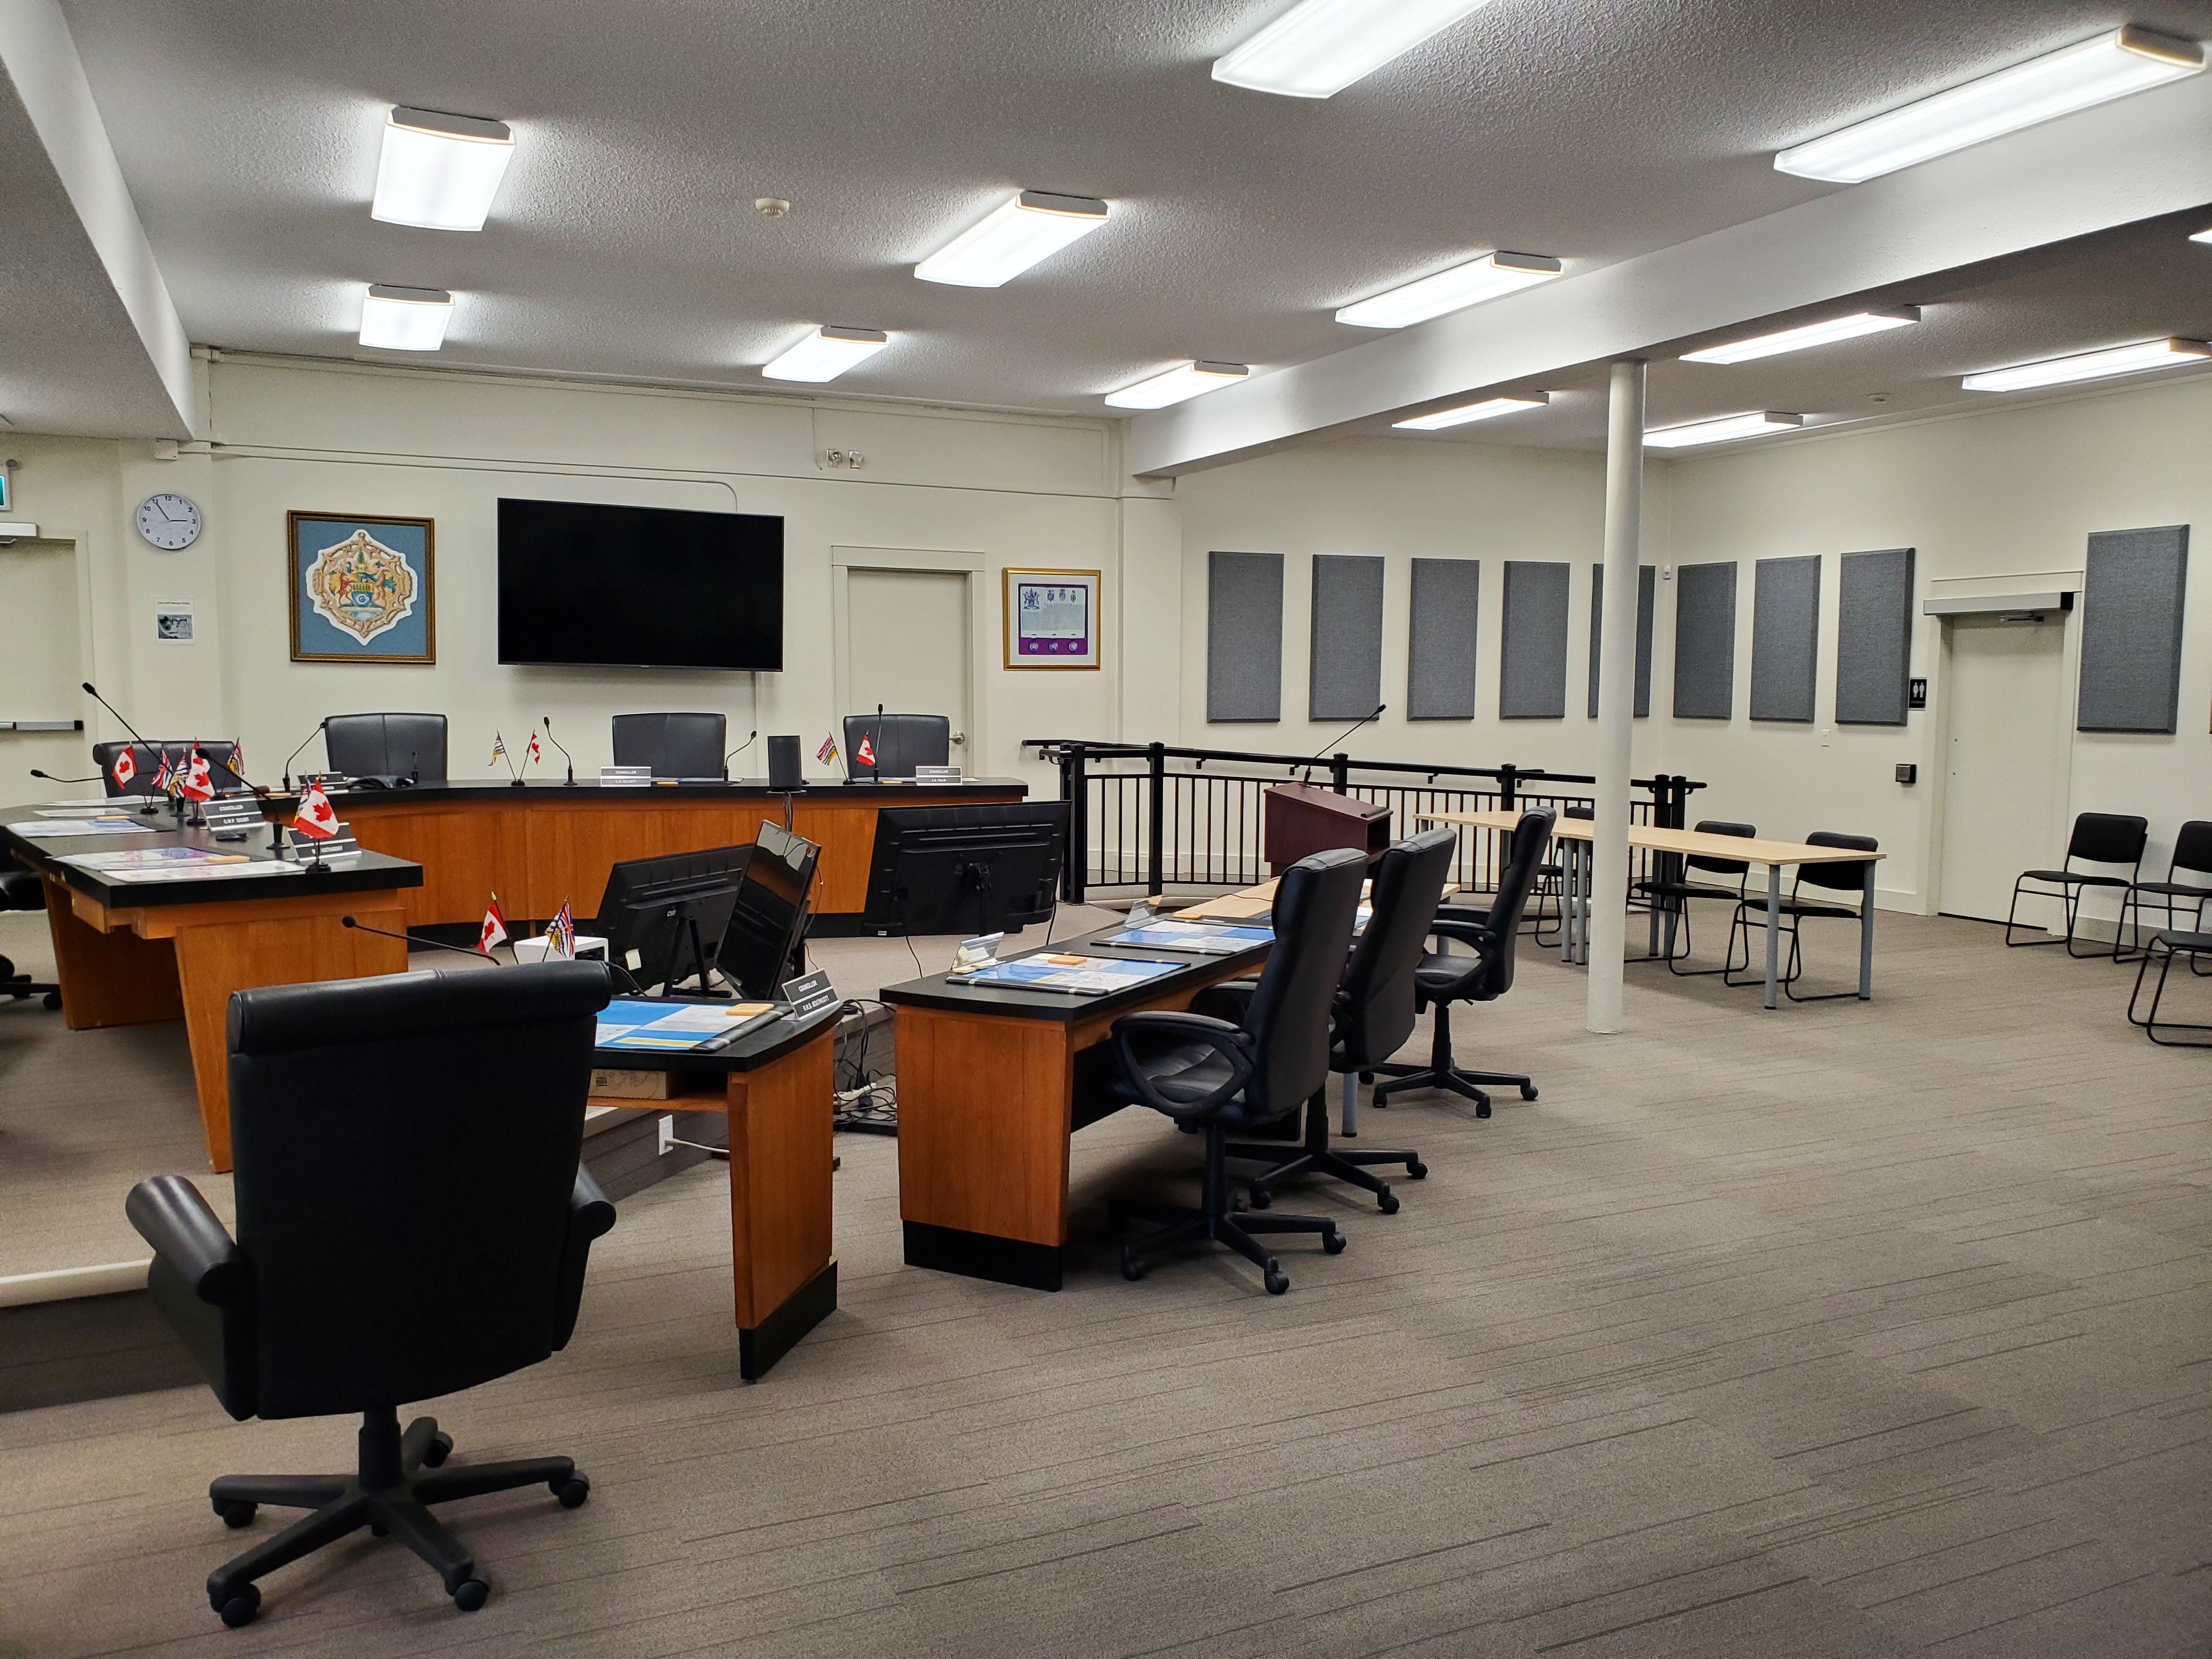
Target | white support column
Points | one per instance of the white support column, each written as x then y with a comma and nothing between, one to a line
1616,694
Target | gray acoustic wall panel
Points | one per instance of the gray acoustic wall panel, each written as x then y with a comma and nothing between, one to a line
1785,637
1532,671
1244,637
1440,653
1346,681
1874,637
1704,641
2131,596
1647,590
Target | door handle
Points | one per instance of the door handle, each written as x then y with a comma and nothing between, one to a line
959,737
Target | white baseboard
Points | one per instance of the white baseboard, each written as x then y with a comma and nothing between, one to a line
68,1284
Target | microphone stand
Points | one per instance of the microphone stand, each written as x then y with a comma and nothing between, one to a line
738,750
149,810
1365,720
410,941
555,741
294,755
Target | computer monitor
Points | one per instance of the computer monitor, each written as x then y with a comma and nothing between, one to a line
664,917
769,920
965,869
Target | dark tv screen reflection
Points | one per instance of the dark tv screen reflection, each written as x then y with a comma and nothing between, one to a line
589,586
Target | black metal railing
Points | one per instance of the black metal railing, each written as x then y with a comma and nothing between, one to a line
1152,816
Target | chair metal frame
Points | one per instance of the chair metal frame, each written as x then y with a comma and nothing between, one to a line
2197,947
1675,906
1795,910
2088,827
2192,841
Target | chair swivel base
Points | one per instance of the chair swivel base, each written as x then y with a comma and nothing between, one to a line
1452,1080
398,1479
1183,1225
1316,1157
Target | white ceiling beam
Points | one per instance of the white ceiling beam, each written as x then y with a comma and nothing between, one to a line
2128,161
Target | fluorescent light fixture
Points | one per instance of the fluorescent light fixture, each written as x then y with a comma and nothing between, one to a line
1808,334
825,354
405,319
2092,366
1183,380
1724,430
2058,83
1488,409
1011,238
2203,236
1451,290
440,172
1319,47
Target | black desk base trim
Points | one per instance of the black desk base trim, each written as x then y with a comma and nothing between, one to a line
759,1348
982,1256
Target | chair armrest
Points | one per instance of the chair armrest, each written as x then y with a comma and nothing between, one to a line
170,1214
1227,1000
1478,934
590,1215
1219,1034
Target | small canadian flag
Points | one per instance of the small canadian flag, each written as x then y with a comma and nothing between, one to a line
867,755
125,768
316,816
198,782
534,746
493,930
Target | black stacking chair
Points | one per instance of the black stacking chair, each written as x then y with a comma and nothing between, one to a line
2165,949
221,759
1483,975
393,747
1218,1074
413,1220
1673,890
673,745
22,890
1796,908
1374,1015
2192,852
1551,888
2099,838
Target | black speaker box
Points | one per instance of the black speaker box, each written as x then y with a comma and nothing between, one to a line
783,765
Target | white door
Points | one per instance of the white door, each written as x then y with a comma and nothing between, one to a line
38,671
907,646
2005,792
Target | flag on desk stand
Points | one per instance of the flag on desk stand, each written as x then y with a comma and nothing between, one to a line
198,781
125,768
561,930
534,751
867,754
498,748
827,754
316,818
164,776
493,930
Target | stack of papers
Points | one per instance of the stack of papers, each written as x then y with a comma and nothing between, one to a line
1088,976
1219,941
637,1025
178,864
117,823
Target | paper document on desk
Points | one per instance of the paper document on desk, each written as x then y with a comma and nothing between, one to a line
1083,976
1220,941
627,1023
56,828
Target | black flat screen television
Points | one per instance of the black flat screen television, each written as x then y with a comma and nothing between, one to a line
589,586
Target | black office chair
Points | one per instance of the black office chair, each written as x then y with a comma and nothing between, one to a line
391,746
899,743
1219,1074
221,759
22,890
2099,838
673,745
412,1220
1795,908
1373,1015
1673,891
1445,977
2192,852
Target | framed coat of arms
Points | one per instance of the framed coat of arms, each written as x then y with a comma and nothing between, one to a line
362,588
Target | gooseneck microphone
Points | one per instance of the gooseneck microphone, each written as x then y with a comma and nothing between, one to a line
294,755
410,941
738,750
93,693
555,741
97,777
1349,730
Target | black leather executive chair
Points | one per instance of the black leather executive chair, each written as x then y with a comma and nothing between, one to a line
1374,1015
899,742
22,890
1258,1064
412,1220
1483,975
1797,908
390,746
673,745
221,759
1674,891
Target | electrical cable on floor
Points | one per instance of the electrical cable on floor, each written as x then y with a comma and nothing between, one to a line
866,1101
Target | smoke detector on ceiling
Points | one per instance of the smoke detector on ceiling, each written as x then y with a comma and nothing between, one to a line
773,207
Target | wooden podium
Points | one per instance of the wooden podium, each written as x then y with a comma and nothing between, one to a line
1302,819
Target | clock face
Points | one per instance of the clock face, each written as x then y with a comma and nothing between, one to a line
169,521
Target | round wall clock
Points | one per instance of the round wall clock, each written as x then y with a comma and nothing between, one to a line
169,521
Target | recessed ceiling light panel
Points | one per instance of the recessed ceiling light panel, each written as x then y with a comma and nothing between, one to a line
405,319
2092,366
2203,236
826,353
440,172
1825,332
1726,429
1011,238
1451,290
2058,83
1319,47
1183,381
1490,409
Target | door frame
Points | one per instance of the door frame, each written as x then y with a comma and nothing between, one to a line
79,545
973,567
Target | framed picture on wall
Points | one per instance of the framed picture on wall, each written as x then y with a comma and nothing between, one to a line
362,587
1052,618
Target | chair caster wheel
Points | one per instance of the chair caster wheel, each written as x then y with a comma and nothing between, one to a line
1276,1279
439,1449
235,1512
1387,1201
1527,1091
1261,1197
53,1002
572,1492
1416,1171
1367,1077
1332,1243
470,1593
240,1610
1482,1107
1131,1271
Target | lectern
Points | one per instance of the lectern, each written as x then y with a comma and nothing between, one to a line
1302,819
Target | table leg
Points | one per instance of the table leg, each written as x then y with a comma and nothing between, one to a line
1866,939
1773,931
1587,880
1351,1112
1567,903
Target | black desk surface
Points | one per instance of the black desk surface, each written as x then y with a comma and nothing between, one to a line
1012,1002
369,872
538,789
748,1054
